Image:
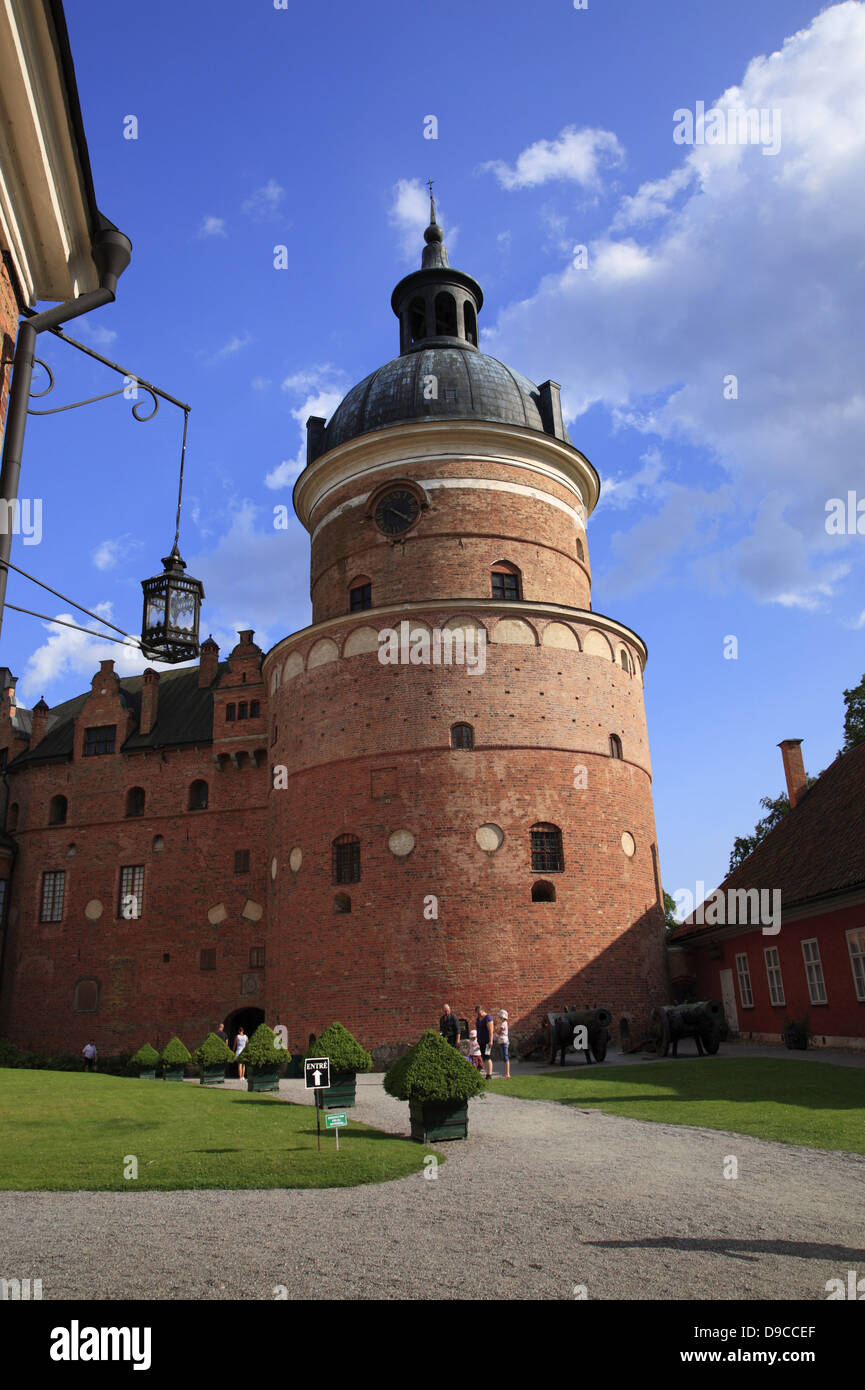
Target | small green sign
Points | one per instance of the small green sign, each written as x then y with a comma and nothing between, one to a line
335,1120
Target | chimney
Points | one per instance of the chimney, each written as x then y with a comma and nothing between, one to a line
208,664
550,406
39,722
314,438
794,769
149,700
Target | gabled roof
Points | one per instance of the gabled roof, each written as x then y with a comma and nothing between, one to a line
817,850
184,715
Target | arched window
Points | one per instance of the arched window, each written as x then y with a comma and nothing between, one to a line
581,552
12,818
416,320
547,856
505,580
341,903
346,859
85,1000
462,736
57,810
135,801
471,323
446,315
615,746
198,796
543,892
625,659
360,594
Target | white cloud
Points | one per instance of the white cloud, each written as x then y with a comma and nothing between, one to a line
265,202
95,333
254,578
740,265
621,492
260,383
232,347
109,553
213,226
68,652
321,403
575,155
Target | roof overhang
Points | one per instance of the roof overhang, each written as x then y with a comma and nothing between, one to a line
48,213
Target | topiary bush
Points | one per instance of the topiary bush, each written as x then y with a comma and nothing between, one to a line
145,1058
261,1052
213,1052
174,1054
343,1049
433,1070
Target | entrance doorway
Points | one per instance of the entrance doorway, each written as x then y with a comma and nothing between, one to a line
248,1019
728,998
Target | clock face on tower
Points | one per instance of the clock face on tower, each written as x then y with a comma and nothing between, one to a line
396,511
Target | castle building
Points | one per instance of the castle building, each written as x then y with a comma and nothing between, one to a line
439,790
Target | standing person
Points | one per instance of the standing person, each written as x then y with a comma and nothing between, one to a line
221,1033
449,1026
89,1053
474,1052
503,1040
239,1044
485,1037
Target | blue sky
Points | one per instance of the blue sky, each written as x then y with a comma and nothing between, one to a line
304,127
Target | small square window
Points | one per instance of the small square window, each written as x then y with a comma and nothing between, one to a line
256,957
230,713
98,741
208,958
360,598
241,861
254,709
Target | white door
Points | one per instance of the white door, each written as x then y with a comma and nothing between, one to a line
728,999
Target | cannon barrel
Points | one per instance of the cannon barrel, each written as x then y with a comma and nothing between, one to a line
591,1019
706,1013
702,1020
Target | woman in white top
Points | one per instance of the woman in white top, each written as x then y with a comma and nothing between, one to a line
503,1040
239,1044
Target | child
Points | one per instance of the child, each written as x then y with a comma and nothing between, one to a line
503,1040
474,1052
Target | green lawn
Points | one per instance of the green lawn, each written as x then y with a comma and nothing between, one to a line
68,1132
815,1104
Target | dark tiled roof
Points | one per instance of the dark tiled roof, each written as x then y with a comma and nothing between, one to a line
184,715
817,849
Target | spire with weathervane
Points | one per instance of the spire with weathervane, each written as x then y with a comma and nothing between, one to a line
437,306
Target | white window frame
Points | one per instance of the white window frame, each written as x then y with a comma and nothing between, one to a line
857,960
774,977
743,974
130,899
814,972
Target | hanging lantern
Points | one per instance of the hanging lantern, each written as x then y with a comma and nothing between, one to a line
172,602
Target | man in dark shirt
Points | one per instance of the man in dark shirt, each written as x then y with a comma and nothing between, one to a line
449,1025
485,1027
221,1033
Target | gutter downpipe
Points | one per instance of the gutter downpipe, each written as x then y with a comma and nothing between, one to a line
111,251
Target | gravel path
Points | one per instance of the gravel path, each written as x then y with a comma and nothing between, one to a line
553,1196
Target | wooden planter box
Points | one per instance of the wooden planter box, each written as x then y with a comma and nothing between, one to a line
212,1076
341,1093
795,1041
264,1080
173,1074
435,1120
147,1074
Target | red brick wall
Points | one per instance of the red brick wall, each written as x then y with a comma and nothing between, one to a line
448,553
8,335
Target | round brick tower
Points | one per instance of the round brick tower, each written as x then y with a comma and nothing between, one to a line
461,806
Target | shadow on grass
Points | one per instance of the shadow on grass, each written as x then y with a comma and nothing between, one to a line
739,1249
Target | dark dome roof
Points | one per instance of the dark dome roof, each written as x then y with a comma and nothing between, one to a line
470,386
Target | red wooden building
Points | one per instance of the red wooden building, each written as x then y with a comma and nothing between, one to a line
811,962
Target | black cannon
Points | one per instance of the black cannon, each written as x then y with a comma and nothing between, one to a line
563,1028
702,1021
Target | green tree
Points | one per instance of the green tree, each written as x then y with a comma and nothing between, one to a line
670,911
854,717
